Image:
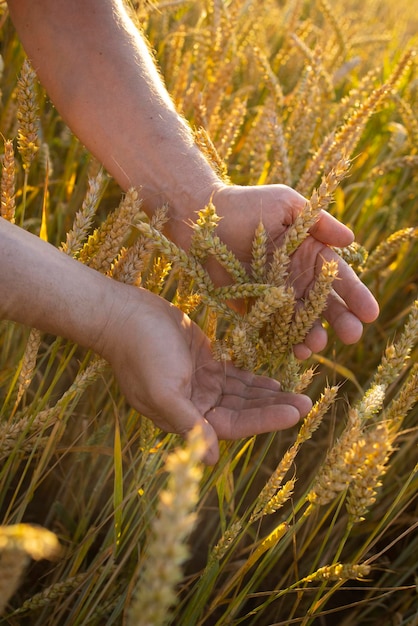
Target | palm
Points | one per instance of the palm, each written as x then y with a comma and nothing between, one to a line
166,371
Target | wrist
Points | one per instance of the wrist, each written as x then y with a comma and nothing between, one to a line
186,202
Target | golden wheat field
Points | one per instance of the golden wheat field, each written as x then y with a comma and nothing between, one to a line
106,520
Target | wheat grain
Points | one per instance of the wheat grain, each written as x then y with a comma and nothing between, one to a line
241,346
227,259
269,76
395,413
279,499
355,255
330,15
230,129
191,268
398,163
319,201
272,299
156,278
346,138
206,145
45,161
221,351
316,414
274,340
290,372
305,115
341,463
256,155
52,593
349,453
280,171
132,261
305,379
259,255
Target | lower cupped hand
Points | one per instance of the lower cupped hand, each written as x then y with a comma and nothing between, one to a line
165,368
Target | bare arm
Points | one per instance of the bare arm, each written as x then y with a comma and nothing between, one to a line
97,69
43,288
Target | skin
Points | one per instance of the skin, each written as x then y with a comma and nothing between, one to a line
97,70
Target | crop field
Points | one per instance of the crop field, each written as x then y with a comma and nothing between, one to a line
104,519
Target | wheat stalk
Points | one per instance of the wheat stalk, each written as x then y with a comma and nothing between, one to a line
11,434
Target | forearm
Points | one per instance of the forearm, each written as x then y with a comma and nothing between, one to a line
96,68
44,288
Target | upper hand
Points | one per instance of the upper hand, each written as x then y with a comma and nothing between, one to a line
242,208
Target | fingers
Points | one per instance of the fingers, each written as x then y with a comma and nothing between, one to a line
315,341
247,405
291,399
251,405
347,326
349,305
233,422
331,231
246,380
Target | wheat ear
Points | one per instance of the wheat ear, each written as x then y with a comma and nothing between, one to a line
18,543
84,217
8,183
166,551
27,115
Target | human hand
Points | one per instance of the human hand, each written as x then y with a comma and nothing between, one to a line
242,208
165,369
